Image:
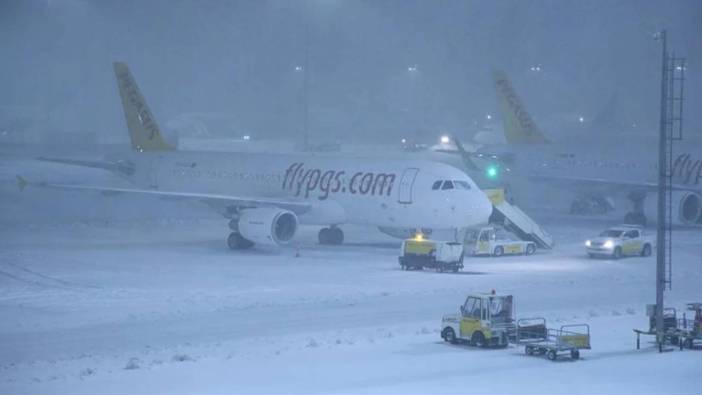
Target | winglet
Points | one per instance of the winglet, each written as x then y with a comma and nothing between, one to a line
143,128
519,127
21,183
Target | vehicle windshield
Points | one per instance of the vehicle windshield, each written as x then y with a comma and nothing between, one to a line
502,234
611,233
472,236
501,308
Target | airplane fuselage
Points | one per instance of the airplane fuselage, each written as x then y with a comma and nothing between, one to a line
615,163
385,193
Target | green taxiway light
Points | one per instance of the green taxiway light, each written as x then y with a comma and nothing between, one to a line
491,172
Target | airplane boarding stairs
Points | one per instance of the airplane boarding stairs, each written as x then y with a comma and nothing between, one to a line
517,221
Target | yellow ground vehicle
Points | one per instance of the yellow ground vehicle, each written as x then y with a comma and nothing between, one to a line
625,240
690,329
683,332
485,319
418,253
496,242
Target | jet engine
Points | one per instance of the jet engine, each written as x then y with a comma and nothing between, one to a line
686,208
265,225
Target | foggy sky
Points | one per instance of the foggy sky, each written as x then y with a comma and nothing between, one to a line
239,58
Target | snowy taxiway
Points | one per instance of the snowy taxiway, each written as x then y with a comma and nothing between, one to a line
163,307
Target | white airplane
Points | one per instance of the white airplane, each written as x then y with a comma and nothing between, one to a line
595,167
265,196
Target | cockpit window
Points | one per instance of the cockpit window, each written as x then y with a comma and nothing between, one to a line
448,184
461,184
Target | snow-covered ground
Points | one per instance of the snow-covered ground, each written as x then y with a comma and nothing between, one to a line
114,295
164,307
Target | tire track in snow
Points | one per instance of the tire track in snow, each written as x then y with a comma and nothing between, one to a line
35,278
65,283
22,280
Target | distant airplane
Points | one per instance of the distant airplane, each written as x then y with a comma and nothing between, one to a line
596,167
266,195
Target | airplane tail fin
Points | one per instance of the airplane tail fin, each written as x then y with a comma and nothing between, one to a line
143,129
519,127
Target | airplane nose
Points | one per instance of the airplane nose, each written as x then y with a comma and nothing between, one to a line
485,210
479,208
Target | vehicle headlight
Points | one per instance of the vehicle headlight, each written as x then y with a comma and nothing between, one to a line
588,243
608,244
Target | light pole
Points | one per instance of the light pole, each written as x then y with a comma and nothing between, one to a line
662,173
302,87
412,118
305,88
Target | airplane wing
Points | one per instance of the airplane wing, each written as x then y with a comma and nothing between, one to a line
614,184
116,167
465,155
607,184
217,200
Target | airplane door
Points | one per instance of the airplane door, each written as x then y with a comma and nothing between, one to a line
406,183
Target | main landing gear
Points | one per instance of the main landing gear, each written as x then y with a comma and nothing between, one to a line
331,236
584,205
236,241
636,216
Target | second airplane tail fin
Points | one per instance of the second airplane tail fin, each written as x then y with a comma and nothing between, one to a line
519,127
143,129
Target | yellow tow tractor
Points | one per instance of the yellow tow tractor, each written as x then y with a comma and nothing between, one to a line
488,320
485,320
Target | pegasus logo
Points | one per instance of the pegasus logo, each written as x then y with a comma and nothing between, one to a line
687,170
505,89
303,181
133,97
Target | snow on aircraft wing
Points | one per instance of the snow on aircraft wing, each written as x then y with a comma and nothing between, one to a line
115,167
606,183
218,200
